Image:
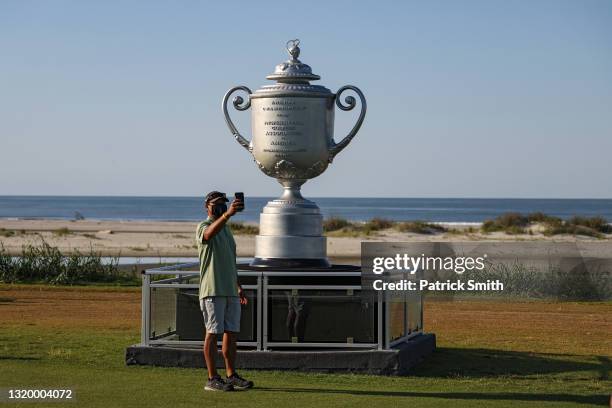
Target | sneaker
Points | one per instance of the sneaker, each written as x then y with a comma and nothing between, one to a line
217,384
238,382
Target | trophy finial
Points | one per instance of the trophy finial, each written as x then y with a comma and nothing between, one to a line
293,70
293,49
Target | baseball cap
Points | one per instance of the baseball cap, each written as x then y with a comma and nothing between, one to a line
215,195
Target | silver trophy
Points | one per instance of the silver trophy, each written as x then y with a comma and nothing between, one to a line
293,141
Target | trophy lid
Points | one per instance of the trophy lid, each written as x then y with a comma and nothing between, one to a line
293,70
292,78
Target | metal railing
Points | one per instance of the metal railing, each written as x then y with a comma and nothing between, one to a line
178,277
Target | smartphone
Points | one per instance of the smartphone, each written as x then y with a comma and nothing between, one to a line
240,196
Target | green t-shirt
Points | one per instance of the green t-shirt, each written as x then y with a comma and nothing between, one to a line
218,274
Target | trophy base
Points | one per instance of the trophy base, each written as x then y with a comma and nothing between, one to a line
291,233
289,263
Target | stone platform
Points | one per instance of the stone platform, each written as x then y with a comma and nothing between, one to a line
397,360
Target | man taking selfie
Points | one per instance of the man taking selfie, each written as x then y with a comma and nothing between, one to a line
220,294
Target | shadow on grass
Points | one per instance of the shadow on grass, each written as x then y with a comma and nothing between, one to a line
487,363
489,396
483,363
20,358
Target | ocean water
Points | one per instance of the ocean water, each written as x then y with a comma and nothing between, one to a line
451,210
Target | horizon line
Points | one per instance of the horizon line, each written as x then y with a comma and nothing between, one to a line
313,197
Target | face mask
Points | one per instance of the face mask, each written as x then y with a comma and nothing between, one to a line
219,209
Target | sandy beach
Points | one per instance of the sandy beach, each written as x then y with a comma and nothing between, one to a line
156,238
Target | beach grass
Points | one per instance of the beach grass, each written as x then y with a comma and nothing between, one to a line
335,224
419,227
241,228
517,223
484,359
589,226
6,232
512,223
341,227
47,264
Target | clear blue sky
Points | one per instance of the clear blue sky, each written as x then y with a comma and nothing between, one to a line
465,98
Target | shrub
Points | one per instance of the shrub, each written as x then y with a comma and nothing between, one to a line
7,269
47,264
515,223
6,233
376,224
419,227
340,227
599,224
540,217
566,228
514,230
512,219
592,227
512,223
335,223
243,229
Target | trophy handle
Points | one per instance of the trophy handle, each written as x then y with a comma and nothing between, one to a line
350,104
240,105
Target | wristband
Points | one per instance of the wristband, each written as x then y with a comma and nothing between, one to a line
225,217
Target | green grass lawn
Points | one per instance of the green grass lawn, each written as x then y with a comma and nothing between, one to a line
90,360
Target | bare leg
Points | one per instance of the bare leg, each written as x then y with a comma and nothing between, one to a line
229,352
210,353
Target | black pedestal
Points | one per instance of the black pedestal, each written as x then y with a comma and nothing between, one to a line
398,360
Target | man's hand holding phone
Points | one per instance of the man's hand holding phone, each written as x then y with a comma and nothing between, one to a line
237,205
240,198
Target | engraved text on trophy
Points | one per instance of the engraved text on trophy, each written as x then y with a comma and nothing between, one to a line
284,130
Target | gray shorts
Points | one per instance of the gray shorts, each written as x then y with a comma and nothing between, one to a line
221,313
